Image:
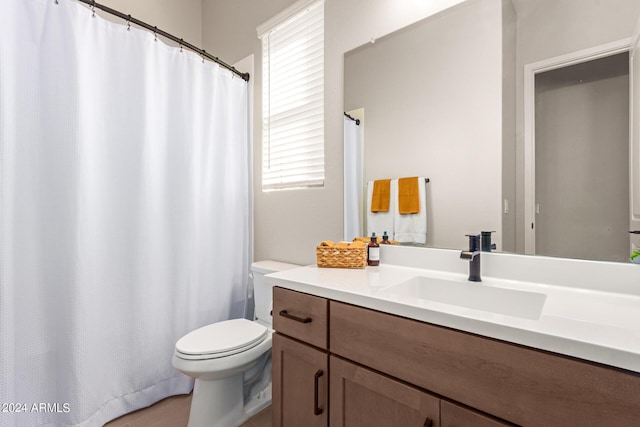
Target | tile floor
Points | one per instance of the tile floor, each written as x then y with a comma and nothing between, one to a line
261,419
174,412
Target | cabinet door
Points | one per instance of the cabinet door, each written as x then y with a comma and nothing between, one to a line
363,398
300,378
452,415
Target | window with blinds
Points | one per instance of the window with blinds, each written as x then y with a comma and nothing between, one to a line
293,98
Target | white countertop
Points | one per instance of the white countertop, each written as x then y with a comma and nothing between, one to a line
590,324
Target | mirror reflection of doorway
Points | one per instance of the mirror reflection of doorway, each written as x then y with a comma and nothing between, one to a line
582,160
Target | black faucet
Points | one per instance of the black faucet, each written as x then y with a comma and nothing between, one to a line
487,246
473,256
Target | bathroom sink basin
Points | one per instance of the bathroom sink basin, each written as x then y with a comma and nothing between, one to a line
473,295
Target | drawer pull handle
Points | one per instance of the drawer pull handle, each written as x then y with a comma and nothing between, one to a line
428,422
286,314
316,379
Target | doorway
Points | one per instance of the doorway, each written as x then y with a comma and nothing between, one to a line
582,160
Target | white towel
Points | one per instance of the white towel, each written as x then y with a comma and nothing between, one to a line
411,228
379,222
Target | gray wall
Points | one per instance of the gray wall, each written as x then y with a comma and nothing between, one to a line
509,72
635,140
427,114
182,19
229,26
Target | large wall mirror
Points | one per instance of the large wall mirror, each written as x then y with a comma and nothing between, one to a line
518,113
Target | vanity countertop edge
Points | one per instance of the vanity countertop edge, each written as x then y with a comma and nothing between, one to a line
584,334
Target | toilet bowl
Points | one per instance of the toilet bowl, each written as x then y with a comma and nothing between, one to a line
231,361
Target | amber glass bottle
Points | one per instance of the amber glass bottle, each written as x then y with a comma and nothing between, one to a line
373,251
385,239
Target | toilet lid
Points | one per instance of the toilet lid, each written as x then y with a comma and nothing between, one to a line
229,336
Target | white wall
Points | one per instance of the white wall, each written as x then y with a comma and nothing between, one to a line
432,98
289,224
180,18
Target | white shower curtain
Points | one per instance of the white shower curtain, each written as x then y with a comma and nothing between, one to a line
353,180
124,193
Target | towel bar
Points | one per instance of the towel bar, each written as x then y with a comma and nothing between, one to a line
425,180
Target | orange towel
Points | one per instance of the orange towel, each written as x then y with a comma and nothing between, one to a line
381,195
408,198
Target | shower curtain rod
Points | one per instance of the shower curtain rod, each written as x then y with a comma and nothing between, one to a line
353,118
130,19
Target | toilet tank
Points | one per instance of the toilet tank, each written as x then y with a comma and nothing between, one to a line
262,291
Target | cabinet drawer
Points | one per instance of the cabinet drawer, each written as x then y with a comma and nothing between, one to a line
301,316
519,384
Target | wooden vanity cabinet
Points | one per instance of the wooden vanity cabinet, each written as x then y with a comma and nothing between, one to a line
360,397
452,415
313,388
519,384
300,360
350,366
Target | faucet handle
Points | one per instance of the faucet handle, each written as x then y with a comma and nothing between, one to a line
487,246
474,242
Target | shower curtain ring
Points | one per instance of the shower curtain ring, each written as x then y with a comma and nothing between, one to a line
56,2
204,52
129,23
155,34
93,9
181,41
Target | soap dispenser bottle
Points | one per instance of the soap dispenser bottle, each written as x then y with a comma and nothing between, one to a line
385,239
373,251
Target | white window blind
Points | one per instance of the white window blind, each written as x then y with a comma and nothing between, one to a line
293,100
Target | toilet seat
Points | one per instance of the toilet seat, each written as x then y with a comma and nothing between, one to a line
221,339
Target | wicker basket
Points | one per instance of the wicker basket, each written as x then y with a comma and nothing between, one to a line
341,257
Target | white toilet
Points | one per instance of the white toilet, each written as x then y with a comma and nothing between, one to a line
231,361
